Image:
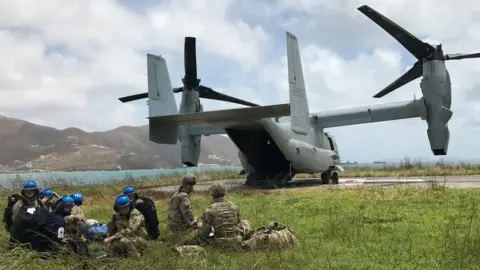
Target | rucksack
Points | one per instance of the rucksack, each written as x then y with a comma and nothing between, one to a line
33,226
149,212
97,232
7,213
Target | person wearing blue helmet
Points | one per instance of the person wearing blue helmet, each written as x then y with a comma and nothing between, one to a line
146,206
74,228
76,223
31,193
127,235
47,197
44,231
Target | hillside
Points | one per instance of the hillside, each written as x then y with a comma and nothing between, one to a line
27,146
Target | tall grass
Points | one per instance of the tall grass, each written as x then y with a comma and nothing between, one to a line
378,228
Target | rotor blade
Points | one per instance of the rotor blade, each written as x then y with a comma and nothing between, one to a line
415,72
209,93
415,46
190,62
458,56
133,97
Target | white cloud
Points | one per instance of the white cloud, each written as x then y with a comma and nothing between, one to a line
68,68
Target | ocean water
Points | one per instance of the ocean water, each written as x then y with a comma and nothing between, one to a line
103,177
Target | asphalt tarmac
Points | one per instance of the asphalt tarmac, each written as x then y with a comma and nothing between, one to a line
471,181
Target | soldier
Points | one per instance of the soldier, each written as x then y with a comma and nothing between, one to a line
75,223
180,217
126,230
223,217
30,193
148,209
47,197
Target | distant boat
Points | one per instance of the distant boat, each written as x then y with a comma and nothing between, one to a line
379,162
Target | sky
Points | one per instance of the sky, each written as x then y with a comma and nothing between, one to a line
66,63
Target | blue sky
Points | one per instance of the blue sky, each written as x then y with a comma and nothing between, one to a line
68,69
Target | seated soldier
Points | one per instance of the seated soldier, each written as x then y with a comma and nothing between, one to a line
47,197
223,218
31,194
126,230
73,227
180,218
147,207
76,222
41,229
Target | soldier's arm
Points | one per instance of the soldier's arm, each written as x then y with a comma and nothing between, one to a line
111,227
16,208
186,209
134,224
206,229
77,214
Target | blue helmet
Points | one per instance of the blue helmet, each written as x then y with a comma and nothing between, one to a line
128,190
47,193
121,200
30,185
77,198
67,200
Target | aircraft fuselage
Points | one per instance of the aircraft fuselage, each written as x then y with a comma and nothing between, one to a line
276,152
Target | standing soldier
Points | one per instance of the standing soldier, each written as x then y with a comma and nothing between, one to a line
180,217
126,230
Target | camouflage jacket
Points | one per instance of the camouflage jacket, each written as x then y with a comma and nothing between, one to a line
127,226
180,217
223,216
32,202
50,205
75,223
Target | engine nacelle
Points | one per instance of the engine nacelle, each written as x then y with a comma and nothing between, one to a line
191,144
306,158
437,95
190,148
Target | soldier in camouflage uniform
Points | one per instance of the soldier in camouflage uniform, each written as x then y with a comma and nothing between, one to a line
47,197
180,218
126,230
31,193
222,218
76,223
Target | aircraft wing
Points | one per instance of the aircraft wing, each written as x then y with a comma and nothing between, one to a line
226,118
206,129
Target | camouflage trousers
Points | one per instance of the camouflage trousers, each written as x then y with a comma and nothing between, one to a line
127,246
178,238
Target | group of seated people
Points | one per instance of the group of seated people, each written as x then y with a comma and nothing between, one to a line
66,228
132,225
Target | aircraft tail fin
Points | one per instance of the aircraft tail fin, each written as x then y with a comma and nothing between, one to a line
299,112
161,100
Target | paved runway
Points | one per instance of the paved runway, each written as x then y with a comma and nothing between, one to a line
472,181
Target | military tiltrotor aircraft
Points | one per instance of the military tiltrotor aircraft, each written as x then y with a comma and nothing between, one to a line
272,152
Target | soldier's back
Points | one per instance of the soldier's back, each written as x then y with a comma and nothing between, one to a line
225,216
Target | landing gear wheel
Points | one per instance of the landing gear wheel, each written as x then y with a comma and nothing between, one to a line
325,178
335,178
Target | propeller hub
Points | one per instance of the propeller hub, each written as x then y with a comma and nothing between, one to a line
438,54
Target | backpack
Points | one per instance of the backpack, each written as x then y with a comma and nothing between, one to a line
32,226
97,232
149,212
271,237
7,213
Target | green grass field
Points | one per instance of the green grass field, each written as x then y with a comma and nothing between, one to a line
378,228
